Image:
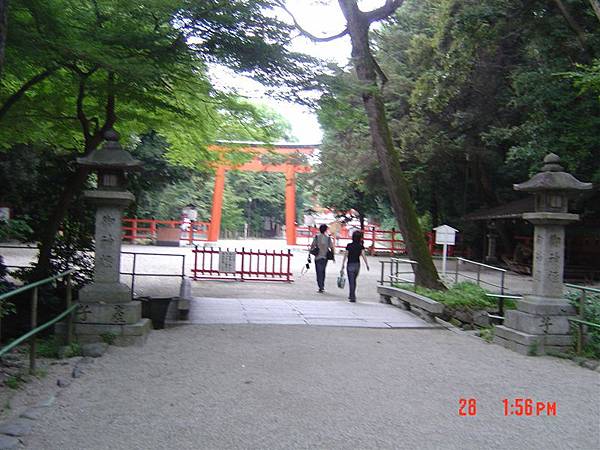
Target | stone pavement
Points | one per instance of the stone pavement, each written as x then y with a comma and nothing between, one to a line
298,312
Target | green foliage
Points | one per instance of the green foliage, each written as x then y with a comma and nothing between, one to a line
487,334
14,382
463,295
591,314
108,337
51,347
476,96
15,230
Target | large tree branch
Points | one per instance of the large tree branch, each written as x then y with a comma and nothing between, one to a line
581,38
596,7
10,101
83,120
384,12
309,35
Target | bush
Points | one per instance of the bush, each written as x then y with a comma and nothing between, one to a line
462,295
591,314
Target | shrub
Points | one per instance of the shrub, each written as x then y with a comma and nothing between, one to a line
591,314
462,295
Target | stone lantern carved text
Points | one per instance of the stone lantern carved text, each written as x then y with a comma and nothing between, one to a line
108,219
82,312
106,261
119,314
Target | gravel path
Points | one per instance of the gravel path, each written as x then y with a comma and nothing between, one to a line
282,387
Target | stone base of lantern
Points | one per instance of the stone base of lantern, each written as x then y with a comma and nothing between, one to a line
119,335
538,326
105,293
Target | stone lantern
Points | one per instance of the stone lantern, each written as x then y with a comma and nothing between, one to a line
106,306
540,322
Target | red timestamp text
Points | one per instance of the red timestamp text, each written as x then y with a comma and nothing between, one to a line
512,407
528,407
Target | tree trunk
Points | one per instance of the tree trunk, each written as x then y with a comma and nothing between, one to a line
76,182
3,30
73,186
366,69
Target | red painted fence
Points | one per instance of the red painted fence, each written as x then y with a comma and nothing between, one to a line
134,229
375,240
243,265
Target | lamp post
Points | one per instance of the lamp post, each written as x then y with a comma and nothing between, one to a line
540,322
106,305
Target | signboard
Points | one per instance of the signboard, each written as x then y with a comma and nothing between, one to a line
227,262
4,213
445,234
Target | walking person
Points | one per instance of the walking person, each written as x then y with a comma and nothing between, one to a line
354,250
322,249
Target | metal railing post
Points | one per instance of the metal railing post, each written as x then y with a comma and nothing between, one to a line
133,277
382,268
478,274
502,275
32,346
456,271
582,299
372,241
69,301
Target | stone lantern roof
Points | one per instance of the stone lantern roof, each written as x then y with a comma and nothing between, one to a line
552,178
110,156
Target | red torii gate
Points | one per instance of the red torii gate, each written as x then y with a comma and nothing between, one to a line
256,165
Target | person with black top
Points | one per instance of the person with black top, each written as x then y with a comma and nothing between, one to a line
321,247
354,250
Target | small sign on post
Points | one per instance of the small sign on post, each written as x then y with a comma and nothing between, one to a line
227,262
445,235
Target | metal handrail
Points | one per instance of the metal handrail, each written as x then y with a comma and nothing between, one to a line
580,321
583,288
35,329
478,278
134,274
35,284
481,264
394,274
33,332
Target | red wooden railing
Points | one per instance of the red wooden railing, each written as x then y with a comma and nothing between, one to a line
134,229
248,265
375,240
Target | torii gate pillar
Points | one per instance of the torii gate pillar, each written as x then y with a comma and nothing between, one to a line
290,205
217,205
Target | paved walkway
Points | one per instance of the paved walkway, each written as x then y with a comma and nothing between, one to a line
313,387
298,312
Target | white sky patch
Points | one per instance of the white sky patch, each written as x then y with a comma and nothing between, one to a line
322,19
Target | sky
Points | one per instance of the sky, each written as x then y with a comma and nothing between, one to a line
320,19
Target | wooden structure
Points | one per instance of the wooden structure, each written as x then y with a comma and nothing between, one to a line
282,158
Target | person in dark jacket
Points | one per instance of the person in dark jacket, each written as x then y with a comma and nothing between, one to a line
324,244
354,250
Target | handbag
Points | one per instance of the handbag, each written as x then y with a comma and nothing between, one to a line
341,280
314,251
330,256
